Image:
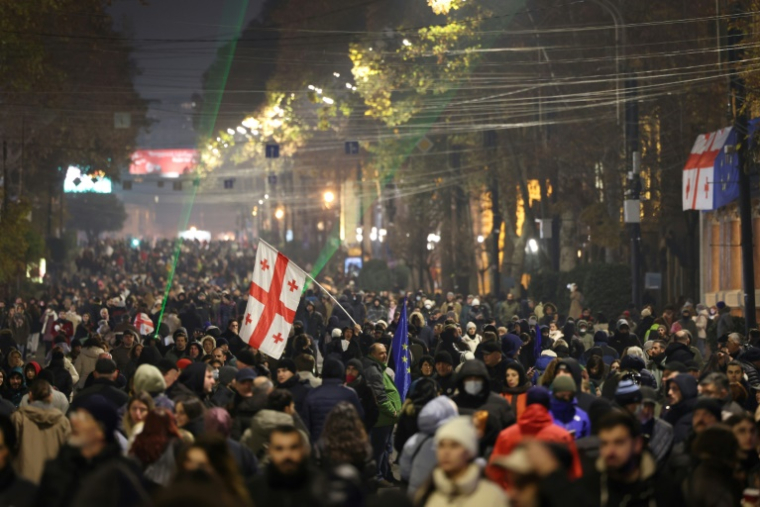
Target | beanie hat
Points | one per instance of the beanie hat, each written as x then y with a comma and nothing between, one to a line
336,333
538,395
632,363
476,302
104,412
461,430
627,392
721,305
601,337
246,357
471,325
564,384
180,331
444,357
288,364
149,378
711,405
221,341
623,323
227,375
184,363
491,347
333,368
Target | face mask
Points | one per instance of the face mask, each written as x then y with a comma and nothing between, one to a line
473,387
582,330
350,378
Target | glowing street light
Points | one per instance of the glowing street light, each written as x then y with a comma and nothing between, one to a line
279,213
533,246
329,197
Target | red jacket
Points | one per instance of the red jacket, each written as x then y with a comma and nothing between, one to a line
535,422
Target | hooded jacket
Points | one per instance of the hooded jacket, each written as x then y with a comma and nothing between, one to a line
418,458
584,400
62,379
148,378
15,395
193,378
500,413
42,430
517,396
365,394
536,422
262,424
679,352
568,415
601,348
679,415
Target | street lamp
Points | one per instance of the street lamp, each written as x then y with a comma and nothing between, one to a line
533,246
329,197
279,213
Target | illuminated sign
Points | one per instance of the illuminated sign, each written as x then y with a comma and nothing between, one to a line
77,182
166,163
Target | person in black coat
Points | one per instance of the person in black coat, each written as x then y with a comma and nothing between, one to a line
321,400
346,348
678,350
474,394
61,377
287,378
14,490
451,343
421,392
444,373
103,384
682,396
356,381
623,338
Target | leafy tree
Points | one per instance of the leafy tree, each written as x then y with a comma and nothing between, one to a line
95,213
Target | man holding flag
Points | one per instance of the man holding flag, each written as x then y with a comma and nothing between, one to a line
387,394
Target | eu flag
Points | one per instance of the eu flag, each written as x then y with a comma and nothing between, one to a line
402,359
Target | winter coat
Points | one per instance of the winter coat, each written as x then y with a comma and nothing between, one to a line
517,396
107,479
382,386
576,305
679,415
655,487
620,342
535,422
175,355
500,413
469,489
418,458
309,378
321,400
104,387
61,377
121,355
85,363
448,384
542,363
344,316
569,416
41,430
725,323
272,489
14,490
678,352
365,394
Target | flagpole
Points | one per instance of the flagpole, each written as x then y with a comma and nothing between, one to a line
318,285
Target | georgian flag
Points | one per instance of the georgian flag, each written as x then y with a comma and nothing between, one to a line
272,301
143,324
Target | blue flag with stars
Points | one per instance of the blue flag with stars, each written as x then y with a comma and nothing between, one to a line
402,359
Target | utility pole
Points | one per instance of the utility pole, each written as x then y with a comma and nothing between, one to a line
6,181
741,126
632,203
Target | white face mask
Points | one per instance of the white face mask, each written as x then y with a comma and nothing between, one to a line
473,387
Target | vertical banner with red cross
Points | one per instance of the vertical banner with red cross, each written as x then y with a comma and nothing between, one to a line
272,301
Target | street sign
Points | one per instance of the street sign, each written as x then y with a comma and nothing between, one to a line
352,147
273,151
653,281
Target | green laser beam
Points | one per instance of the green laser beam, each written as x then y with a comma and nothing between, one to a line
234,13
333,243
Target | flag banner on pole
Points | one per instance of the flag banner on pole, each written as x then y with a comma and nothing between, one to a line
272,301
143,324
711,174
402,359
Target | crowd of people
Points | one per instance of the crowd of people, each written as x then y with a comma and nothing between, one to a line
113,395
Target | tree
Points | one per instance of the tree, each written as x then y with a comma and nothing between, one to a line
95,214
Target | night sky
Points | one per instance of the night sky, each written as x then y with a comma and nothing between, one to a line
172,59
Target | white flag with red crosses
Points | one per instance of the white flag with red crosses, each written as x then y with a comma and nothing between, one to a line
272,301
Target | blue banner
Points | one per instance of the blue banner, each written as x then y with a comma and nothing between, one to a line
402,359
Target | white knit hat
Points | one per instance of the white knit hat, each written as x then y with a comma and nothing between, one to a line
461,430
337,333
